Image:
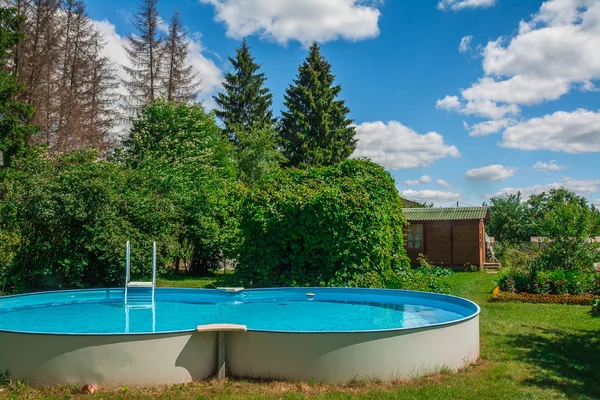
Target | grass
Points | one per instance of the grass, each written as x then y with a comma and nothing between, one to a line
529,351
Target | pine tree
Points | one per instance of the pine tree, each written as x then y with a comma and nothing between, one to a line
181,84
14,115
315,129
245,109
246,103
144,51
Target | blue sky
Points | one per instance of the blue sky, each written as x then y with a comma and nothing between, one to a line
451,122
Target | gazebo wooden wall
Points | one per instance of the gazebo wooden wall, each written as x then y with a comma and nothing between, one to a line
447,241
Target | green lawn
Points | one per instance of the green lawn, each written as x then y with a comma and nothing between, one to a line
529,351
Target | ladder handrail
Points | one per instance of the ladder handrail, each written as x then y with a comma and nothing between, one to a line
127,263
154,264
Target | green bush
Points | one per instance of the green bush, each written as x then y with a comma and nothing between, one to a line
415,280
429,269
330,226
596,306
558,281
69,216
74,214
515,280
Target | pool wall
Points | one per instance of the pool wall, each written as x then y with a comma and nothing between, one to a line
342,357
108,360
180,357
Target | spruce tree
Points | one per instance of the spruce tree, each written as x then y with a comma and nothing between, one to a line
145,51
181,84
14,115
315,129
246,102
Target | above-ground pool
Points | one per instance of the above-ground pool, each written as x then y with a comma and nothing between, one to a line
323,334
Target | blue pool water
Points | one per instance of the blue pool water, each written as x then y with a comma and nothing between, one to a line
102,311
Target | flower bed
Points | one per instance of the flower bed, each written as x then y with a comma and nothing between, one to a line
584,299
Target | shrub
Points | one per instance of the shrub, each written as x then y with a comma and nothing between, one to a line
329,226
74,215
516,255
596,306
515,280
415,280
429,269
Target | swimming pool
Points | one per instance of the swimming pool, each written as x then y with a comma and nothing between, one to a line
325,334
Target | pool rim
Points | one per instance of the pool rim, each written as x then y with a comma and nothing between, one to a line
189,331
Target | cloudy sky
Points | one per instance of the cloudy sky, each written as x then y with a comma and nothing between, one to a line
459,99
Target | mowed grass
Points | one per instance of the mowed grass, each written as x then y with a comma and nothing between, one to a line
528,351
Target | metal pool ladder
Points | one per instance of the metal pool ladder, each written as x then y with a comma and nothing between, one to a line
139,295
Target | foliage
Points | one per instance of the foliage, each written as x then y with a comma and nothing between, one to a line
516,255
429,269
509,219
245,105
179,147
420,280
315,129
558,281
565,219
178,134
257,154
327,226
245,109
596,306
73,214
14,115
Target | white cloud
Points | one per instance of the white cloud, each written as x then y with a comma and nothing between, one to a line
396,146
206,69
571,132
581,187
597,203
465,44
519,89
480,107
430,195
561,41
448,103
488,127
551,54
489,109
460,4
494,172
443,183
550,166
425,179
302,20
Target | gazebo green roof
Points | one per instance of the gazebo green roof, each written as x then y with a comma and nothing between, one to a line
446,213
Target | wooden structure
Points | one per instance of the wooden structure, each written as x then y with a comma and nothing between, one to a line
447,236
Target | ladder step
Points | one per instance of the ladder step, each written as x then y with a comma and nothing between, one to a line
140,284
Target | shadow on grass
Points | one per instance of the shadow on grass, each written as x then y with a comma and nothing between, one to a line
565,361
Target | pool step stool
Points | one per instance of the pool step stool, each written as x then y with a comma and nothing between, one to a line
139,295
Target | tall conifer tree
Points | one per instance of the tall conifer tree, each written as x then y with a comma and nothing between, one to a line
315,129
246,102
145,53
180,82
245,109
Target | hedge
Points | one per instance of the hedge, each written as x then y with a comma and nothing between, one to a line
331,226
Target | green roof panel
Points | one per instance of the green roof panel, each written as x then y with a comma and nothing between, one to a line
445,213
